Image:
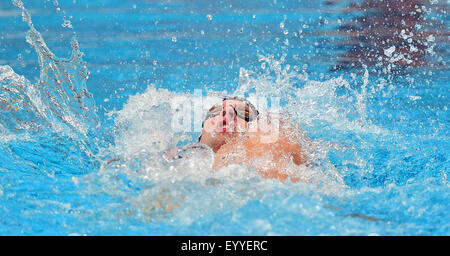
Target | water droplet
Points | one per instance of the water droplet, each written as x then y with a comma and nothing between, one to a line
388,52
209,17
174,39
67,23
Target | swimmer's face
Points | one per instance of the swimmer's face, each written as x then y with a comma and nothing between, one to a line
225,121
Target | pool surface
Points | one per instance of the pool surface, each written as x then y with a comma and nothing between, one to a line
86,106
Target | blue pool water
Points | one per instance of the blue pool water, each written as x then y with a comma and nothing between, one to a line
83,82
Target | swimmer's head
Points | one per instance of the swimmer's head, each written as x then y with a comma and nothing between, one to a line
227,120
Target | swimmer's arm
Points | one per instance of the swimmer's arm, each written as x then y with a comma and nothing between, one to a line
170,153
180,152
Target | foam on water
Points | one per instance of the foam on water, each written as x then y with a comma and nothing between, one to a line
183,189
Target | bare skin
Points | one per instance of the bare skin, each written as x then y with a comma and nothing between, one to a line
268,148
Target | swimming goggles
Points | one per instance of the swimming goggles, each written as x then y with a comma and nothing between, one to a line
247,112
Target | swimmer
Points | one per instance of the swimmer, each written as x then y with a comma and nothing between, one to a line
236,133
